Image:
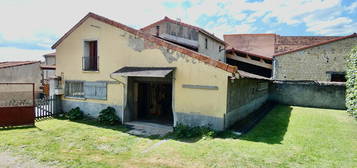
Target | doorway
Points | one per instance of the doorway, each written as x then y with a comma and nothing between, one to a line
150,100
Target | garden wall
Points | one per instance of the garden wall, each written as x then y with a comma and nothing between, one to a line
309,94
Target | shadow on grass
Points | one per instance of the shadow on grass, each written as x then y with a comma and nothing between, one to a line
170,136
272,128
19,127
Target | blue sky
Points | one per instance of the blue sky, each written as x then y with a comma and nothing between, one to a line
30,27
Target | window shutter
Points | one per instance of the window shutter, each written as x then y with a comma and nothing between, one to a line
95,90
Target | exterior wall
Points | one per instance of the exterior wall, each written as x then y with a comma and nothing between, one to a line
118,48
309,94
212,47
30,73
50,60
176,30
245,96
313,63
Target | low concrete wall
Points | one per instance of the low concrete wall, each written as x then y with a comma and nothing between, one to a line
88,108
244,97
309,94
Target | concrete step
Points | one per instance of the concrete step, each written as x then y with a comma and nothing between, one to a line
140,128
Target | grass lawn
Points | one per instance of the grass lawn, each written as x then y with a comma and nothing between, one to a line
286,137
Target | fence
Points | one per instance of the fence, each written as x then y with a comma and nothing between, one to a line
45,107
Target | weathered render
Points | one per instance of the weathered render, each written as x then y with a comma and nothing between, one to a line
120,46
314,63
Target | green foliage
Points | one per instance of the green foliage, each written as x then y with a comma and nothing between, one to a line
108,116
183,131
75,114
351,84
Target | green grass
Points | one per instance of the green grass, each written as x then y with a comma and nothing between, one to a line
286,137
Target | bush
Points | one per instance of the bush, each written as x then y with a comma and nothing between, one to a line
351,84
184,131
75,114
108,116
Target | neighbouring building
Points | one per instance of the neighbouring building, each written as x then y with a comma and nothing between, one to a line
19,72
147,75
48,71
324,61
188,36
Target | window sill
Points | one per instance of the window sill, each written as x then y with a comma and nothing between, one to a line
88,71
77,98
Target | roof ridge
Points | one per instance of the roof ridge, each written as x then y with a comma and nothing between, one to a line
151,38
317,44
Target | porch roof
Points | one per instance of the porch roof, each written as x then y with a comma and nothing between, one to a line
160,72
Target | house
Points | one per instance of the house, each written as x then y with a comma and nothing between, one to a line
48,71
188,36
19,72
151,75
324,61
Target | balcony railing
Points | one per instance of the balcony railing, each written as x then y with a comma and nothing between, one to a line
90,64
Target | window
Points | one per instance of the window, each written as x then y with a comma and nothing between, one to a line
338,77
219,48
95,90
90,90
90,58
74,89
206,43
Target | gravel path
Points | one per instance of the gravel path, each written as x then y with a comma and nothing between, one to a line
8,160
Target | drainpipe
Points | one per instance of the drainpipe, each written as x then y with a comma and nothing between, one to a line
123,101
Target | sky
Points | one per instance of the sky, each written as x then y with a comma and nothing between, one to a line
30,27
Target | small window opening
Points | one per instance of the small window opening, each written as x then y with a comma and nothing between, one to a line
206,43
338,77
157,30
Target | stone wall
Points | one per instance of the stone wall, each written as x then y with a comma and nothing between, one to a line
309,94
245,96
313,63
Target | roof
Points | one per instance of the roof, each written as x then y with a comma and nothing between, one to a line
245,74
167,19
16,63
50,54
48,67
153,39
317,44
248,53
145,71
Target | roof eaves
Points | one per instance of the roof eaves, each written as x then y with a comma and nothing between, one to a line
318,44
248,53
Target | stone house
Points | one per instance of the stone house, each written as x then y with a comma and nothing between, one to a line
146,75
324,61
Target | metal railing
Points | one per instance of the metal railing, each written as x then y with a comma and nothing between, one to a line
87,65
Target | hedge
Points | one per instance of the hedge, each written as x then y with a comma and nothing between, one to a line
351,84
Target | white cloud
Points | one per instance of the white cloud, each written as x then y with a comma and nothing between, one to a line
352,7
15,54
